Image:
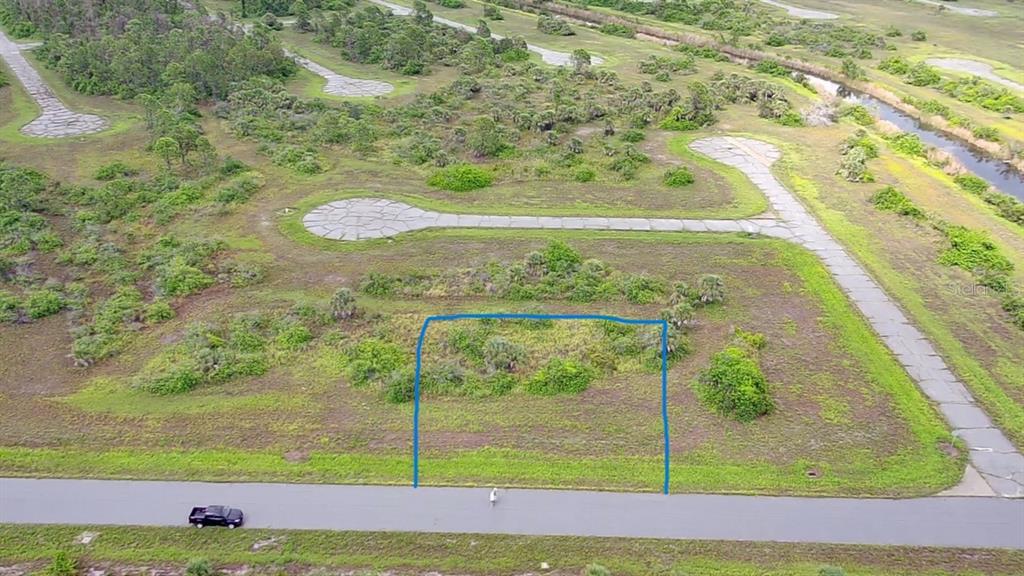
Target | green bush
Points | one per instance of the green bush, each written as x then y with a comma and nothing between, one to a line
62,565
553,26
971,183
501,355
343,304
461,178
894,65
734,385
293,336
1013,304
619,30
597,570
42,303
892,200
9,304
772,68
678,177
159,311
907,143
450,3
179,278
170,379
560,258
372,360
790,118
199,567
560,377
114,170
974,251
858,113
400,386
921,74
918,36
642,289
492,12
632,135
584,174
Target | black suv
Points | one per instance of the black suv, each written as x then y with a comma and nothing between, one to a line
215,516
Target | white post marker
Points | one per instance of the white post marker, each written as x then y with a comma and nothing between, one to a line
494,496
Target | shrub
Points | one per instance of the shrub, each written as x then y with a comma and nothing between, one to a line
199,567
553,26
450,3
858,113
973,251
159,311
461,178
62,565
852,70
377,284
734,385
831,571
9,304
894,65
293,336
918,36
971,183
373,359
853,167
772,68
921,74
710,289
619,30
597,570
179,278
560,377
584,174
172,379
492,13
400,386
113,171
237,192
1013,304
501,355
632,135
907,143
678,177
892,200
42,303
790,118
560,258
642,289
343,304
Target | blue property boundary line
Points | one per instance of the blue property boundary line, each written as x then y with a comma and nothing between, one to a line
514,316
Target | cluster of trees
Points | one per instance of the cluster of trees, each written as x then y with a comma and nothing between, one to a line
151,53
407,45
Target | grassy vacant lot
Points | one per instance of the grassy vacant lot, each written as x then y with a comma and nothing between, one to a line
303,552
856,420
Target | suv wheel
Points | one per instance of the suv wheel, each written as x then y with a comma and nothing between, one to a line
199,524
232,526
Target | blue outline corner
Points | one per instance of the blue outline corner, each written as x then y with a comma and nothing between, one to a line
515,316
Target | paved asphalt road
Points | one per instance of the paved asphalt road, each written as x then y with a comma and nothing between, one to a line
970,522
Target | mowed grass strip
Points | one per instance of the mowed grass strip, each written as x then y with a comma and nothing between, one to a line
486,554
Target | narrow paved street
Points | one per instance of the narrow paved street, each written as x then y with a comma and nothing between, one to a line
969,522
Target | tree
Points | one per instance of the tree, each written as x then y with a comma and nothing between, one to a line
301,12
482,29
167,148
420,14
580,59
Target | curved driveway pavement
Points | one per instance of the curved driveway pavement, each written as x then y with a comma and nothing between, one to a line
958,522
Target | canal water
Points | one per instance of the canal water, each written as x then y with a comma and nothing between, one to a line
996,172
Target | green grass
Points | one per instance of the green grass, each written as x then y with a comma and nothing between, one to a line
487,554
